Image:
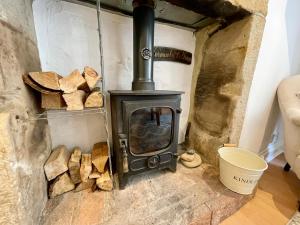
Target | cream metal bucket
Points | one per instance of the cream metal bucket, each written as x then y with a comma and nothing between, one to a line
240,170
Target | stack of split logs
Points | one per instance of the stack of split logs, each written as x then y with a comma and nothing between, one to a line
75,91
78,171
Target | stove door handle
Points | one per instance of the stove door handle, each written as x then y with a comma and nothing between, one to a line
123,146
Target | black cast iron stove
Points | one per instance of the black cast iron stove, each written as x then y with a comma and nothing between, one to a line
145,121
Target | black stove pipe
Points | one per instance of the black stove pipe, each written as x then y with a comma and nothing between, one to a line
143,41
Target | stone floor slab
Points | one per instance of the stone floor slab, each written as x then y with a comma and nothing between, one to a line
187,197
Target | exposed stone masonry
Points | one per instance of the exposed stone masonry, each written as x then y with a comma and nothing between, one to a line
224,66
24,142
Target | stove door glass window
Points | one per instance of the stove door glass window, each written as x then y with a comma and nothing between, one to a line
150,129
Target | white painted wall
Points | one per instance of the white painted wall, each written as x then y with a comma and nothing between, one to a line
279,57
67,39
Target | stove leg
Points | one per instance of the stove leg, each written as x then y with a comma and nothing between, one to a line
173,165
122,182
287,167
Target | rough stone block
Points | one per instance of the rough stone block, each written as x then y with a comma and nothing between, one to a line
216,72
223,74
253,6
59,209
8,190
91,209
62,184
57,163
24,143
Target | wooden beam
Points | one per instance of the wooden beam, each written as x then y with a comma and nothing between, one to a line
211,8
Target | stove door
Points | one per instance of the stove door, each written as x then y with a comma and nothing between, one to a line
150,125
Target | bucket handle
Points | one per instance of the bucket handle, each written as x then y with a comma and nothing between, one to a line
226,145
229,145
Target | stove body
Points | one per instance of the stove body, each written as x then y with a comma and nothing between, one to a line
145,131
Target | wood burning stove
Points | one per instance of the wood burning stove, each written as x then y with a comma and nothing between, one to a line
144,121
145,131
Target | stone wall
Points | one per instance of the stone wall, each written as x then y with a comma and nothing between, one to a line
253,6
24,141
224,66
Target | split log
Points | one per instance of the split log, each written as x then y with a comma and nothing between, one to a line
28,80
94,100
85,185
94,173
72,82
74,100
94,187
100,156
105,182
57,163
86,167
46,79
74,165
52,101
91,77
61,184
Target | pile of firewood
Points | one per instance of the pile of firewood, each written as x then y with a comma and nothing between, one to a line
75,91
78,171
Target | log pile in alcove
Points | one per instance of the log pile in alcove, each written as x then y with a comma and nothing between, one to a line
75,91
78,171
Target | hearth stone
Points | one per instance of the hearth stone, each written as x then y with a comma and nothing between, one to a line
189,196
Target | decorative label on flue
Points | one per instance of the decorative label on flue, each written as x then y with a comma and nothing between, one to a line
172,54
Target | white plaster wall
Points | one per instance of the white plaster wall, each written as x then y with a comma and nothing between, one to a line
67,39
279,57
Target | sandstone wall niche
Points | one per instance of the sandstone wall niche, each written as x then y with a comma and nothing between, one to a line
24,142
225,60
